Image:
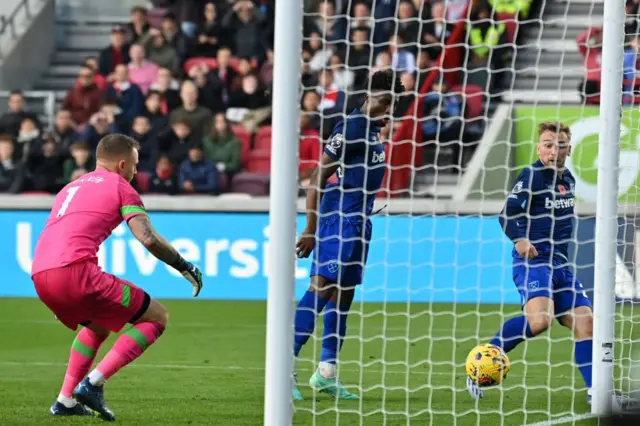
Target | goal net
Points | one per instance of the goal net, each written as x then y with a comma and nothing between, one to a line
478,79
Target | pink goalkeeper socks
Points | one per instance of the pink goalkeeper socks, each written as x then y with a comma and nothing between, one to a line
83,351
127,348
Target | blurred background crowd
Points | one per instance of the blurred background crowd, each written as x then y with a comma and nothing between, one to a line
192,80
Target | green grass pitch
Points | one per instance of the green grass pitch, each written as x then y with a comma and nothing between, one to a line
208,369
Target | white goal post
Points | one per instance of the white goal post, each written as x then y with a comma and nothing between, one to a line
438,277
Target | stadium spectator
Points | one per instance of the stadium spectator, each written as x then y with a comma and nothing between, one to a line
456,9
319,52
100,125
444,119
11,120
141,131
130,97
117,53
85,98
45,171
197,175
361,16
80,163
115,115
210,33
343,77
174,36
100,80
310,108
163,178
325,22
249,105
63,132
168,89
222,147
632,21
435,31
590,46
141,71
243,68
309,150
197,117
175,141
222,76
162,54
333,99
408,25
244,23
266,71
9,168
208,96
308,78
359,55
424,66
137,29
486,46
402,59
518,8
153,110
630,69
405,100
28,140
383,62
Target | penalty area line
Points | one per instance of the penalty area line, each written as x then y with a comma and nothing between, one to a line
562,420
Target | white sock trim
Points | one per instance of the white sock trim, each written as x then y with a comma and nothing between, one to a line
96,378
327,370
66,401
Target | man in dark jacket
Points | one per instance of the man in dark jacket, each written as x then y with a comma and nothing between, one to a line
9,170
10,121
116,53
197,174
129,95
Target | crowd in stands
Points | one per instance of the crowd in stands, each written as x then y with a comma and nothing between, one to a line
192,82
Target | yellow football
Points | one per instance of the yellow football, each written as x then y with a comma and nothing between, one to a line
487,365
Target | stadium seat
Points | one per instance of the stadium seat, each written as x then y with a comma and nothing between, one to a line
223,182
263,139
193,62
250,183
259,162
234,63
245,139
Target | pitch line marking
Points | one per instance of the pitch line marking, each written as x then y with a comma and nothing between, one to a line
563,420
237,367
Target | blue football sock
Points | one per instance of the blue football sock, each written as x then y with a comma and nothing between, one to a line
305,319
335,328
584,357
514,331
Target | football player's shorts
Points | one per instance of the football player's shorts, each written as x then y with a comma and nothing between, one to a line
552,279
341,251
81,293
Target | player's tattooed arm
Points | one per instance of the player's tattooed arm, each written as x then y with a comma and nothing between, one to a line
157,245
317,182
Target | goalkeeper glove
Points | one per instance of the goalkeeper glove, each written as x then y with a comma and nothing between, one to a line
190,272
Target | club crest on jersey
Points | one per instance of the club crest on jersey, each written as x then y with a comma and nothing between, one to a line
335,143
518,188
562,189
333,267
534,285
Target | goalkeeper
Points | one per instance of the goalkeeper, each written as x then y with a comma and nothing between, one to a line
342,227
538,217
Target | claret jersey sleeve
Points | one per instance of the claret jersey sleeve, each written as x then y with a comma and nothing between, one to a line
130,202
513,217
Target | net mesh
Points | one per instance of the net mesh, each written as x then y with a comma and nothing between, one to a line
479,77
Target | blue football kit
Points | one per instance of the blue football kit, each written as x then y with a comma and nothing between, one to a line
344,227
540,208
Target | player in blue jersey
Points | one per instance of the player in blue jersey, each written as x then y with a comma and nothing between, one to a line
538,217
338,228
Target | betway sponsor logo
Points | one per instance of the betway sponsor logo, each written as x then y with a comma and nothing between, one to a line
563,203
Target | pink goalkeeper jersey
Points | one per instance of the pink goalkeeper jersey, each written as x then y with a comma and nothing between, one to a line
83,215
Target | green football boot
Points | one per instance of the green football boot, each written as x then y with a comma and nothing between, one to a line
333,386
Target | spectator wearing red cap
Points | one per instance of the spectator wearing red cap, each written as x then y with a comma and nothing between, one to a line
115,54
141,72
85,99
